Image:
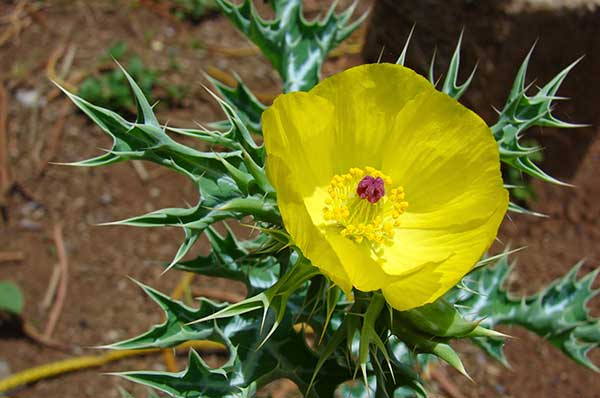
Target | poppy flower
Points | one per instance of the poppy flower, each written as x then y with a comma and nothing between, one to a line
385,183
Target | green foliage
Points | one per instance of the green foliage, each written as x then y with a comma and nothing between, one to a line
274,298
521,112
296,47
439,318
246,261
197,380
11,298
450,85
520,186
231,184
559,312
250,365
244,103
110,87
284,354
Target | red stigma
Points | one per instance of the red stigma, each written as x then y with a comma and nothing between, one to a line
371,188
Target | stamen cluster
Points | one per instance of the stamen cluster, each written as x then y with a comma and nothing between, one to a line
359,203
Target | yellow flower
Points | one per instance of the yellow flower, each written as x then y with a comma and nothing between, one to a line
385,183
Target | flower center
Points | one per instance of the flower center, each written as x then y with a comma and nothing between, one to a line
359,203
371,188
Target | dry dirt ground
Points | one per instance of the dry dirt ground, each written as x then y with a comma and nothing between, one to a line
101,304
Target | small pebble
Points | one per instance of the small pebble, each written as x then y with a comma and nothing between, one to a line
154,192
30,98
29,208
169,31
112,335
500,389
106,198
29,225
157,45
4,369
79,202
122,285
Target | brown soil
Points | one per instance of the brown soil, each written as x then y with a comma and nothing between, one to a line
101,304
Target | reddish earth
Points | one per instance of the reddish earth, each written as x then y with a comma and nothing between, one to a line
101,304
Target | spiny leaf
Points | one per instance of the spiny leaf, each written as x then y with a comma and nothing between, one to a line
275,298
559,312
439,318
191,236
426,343
521,112
450,85
447,353
145,112
195,220
197,217
175,329
361,343
369,336
236,135
284,354
238,131
515,208
149,142
241,99
202,216
236,260
196,381
213,137
297,48
402,58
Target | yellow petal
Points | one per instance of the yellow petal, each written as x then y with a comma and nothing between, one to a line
465,248
450,170
446,159
367,99
295,135
298,131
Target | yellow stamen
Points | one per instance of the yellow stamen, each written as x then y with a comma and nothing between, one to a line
358,218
